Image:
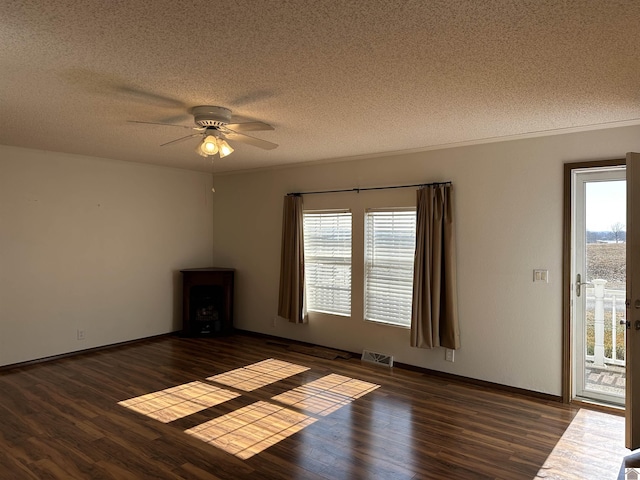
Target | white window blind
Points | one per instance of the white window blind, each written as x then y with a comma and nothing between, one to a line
327,261
390,238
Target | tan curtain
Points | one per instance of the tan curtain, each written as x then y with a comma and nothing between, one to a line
434,316
291,297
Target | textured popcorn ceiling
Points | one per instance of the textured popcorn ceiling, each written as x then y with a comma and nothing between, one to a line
335,78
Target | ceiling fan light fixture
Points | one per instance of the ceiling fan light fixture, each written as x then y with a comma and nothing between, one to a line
212,124
224,148
209,146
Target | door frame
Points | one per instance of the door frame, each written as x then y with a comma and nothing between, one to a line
567,281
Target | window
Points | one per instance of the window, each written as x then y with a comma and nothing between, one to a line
390,238
327,261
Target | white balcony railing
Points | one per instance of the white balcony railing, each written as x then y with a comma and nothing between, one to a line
601,300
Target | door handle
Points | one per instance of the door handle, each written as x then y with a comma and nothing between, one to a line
579,284
627,323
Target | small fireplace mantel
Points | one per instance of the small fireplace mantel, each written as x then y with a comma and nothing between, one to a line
207,301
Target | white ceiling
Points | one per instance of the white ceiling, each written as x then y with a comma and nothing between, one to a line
336,78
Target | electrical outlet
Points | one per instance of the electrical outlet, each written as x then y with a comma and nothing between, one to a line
448,355
81,334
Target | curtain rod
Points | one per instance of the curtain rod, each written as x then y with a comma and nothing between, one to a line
358,190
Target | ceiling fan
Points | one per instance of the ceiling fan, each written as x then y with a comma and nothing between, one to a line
214,127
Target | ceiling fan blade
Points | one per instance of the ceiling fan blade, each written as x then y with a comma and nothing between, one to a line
249,126
105,84
176,119
256,142
165,124
252,97
182,139
149,97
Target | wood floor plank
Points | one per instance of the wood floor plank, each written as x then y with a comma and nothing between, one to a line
191,472
63,419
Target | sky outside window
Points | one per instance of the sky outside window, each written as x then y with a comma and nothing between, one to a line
606,205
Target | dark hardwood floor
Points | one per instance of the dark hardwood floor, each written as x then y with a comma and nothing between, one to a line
81,418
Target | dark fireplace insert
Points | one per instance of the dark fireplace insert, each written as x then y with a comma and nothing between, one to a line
207,301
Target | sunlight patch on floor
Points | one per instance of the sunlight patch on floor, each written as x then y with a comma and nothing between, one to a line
252,429
591,448
326,395
258,375
249,430
178,402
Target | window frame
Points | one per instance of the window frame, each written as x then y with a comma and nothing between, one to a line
368,314
320,309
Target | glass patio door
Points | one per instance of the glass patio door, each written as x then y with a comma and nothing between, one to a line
598,284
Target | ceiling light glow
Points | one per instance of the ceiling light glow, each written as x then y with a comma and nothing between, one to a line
224,148
212,144
209,145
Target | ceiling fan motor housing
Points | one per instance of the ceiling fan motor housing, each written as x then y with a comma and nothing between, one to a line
210,116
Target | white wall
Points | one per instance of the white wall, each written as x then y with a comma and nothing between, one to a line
94,244
509,221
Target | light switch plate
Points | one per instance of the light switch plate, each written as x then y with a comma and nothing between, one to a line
541,276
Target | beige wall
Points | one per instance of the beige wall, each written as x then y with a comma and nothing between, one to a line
509,220
94,244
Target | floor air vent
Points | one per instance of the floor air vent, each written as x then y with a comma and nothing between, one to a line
377,358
